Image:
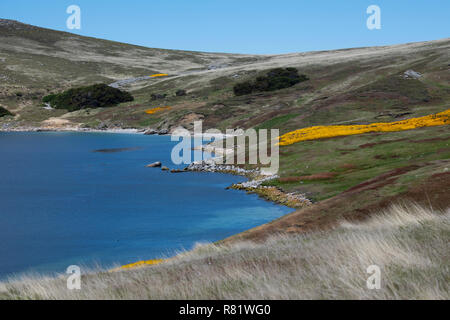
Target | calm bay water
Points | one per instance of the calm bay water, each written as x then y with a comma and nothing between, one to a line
61,203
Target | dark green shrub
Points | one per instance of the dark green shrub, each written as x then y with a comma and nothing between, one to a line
158,96
180,93
95,96
274,79
243,88
49,98
4,112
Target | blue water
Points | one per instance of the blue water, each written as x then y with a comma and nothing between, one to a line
61,203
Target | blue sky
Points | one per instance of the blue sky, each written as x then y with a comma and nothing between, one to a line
242,26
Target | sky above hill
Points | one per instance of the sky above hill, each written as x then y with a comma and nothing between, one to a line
242,26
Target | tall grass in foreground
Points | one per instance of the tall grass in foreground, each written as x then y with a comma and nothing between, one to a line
409,244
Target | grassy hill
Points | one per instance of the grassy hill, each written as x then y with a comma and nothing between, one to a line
350,177
346,86
35,62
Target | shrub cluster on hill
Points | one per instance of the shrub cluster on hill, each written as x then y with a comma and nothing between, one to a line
95,96
4,112
180,93
275,79
161,96
158,96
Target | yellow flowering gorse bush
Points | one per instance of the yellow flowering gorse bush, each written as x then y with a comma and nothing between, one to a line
157,109
139,264
159,75
320,132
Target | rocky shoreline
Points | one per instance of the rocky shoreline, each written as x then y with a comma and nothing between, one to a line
255,184
71,129
148,132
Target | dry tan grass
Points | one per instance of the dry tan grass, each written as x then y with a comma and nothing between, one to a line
409,244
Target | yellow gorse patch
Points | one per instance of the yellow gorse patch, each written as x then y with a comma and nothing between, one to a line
139,264
159,75
320,132
157,109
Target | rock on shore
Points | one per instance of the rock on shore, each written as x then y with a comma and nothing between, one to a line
154,165
151,132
